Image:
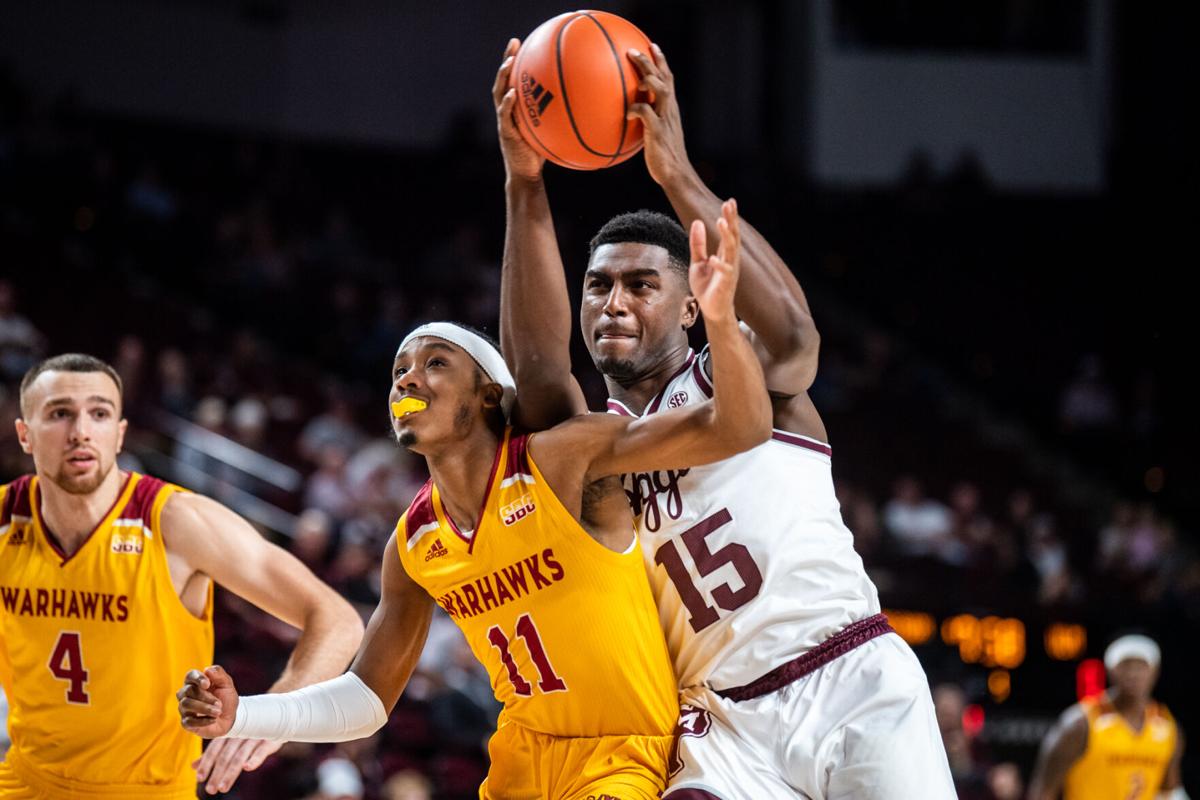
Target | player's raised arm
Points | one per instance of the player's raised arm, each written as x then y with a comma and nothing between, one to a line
769,298
535,312
350,706
1064,744
737,417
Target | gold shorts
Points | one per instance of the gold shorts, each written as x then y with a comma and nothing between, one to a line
527,765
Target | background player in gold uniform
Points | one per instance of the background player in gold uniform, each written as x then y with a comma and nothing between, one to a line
1120,745
562,616
106,596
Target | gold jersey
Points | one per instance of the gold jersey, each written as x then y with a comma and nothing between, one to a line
1120,763
93,647
566,628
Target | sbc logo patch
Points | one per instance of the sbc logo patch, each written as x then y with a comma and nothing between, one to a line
518,510
127,544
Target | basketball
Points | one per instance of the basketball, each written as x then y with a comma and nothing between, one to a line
575,83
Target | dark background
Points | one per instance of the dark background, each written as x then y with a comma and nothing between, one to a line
245,205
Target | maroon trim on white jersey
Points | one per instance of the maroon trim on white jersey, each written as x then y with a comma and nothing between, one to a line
801,441
699,374
617,407
658,398
853,635
620,408
786,437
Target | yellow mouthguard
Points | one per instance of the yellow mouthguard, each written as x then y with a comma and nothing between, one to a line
409,405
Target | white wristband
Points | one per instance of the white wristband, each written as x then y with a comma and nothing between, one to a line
337,710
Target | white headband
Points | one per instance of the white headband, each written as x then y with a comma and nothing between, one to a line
484,352
1133,646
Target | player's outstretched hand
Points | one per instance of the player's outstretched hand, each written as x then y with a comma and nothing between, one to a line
666,156
225,759
520,160
713,278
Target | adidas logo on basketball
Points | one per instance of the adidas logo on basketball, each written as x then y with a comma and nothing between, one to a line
536,98
437,550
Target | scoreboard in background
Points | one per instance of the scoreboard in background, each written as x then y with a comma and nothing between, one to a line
1000,645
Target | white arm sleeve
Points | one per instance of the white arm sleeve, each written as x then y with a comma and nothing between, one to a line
337,710
1174,794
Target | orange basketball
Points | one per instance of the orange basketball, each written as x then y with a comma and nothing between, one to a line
574,83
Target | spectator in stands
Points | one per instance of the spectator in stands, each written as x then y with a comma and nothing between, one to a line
130,359
1004,782
1089,404
148,196
175,383
408,785
311,538
354,572
248,421
918,525
949,703
338,779
1048,553
862,518
327,488
21,344
335,425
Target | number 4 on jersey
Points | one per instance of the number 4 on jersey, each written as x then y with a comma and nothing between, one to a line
66,664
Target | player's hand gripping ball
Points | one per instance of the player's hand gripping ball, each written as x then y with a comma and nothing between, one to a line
575,83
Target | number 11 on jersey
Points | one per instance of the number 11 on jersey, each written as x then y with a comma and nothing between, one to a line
548,679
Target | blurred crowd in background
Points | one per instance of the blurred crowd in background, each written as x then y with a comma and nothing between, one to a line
252,292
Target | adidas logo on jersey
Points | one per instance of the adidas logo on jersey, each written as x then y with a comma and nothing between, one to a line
436,550
19,535
517,511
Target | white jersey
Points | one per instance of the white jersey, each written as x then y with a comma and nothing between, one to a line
749,560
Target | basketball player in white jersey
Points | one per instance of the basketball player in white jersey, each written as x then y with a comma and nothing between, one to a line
792,683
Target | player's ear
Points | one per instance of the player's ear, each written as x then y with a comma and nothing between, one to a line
23,435
493,393
122,426
690,312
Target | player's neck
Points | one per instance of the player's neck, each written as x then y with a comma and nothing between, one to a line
1132,708
636,393
462,474
71,518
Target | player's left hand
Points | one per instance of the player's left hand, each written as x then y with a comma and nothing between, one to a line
666,156
520,160
713,278
225,759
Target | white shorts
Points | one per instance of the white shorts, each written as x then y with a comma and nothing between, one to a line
860,727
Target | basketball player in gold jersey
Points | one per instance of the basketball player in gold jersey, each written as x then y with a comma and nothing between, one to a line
106,585
1121,745
561,616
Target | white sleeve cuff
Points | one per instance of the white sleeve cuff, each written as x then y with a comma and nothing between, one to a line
337,710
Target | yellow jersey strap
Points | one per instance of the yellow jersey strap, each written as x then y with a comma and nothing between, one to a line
145,504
